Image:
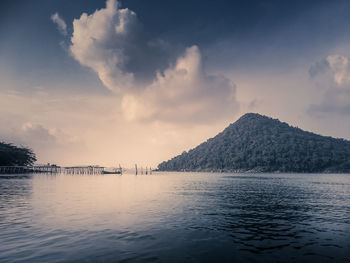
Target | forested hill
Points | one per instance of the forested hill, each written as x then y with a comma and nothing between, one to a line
261,144
11,155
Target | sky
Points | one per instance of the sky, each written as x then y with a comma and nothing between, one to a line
130,81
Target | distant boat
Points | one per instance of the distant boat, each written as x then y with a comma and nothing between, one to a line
114,171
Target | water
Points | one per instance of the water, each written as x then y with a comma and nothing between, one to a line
175,217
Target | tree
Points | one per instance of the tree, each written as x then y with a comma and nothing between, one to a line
11,155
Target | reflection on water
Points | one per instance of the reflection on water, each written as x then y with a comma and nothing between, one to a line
175,217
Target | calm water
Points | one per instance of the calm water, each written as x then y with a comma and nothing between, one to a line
175,217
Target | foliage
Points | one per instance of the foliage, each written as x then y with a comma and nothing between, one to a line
11,155
261,144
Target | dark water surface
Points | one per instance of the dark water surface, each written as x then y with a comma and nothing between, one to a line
175,217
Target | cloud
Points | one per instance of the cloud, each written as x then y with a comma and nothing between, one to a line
61,25
334,101
332,75
37,134
318,68
254,104
48,143
341,70
336,67
113,43
155,80
184,92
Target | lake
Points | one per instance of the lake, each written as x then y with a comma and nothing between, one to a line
175,217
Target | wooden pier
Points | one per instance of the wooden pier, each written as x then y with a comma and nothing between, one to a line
146,171
77,170
84,170
15,169
52,169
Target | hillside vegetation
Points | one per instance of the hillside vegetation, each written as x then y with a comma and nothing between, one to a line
261,144
11,155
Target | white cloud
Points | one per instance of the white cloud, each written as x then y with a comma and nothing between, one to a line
154,83
99,40
113,43
38,134
335,68
61,25
341,70
333,77
47,143
184,92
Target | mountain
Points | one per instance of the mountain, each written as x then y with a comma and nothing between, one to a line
258,143
11,155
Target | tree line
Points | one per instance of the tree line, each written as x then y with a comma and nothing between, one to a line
261,144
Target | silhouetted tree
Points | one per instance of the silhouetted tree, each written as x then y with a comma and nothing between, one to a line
11,155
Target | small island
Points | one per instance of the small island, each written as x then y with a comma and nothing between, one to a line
257,143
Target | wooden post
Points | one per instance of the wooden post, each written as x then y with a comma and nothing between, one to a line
136,169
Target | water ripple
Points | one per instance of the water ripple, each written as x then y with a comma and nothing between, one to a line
175,217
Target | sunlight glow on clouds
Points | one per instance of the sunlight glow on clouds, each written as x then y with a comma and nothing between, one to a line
184,92
129,87
111,41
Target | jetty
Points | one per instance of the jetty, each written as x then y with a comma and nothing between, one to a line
76,170
146,171
52,169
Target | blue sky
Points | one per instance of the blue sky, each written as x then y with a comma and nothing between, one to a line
173,68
